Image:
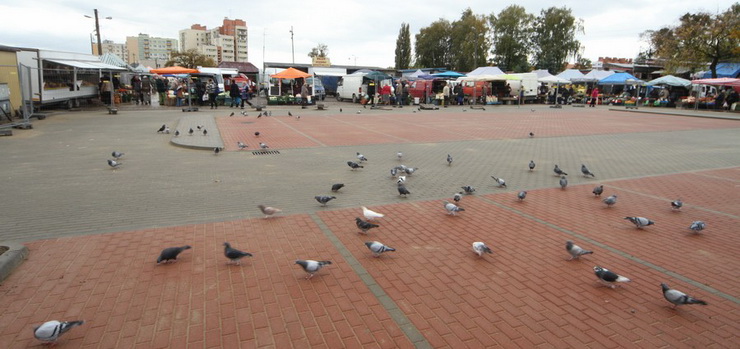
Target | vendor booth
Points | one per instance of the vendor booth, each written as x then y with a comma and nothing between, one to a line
285,86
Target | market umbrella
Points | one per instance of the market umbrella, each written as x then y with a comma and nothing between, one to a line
173,70
376,75
448,74
671,81
290,73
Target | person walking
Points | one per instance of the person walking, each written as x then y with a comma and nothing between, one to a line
594,96
211,91
234,94
161,90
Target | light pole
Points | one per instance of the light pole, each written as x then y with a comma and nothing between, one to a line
292,47
97,31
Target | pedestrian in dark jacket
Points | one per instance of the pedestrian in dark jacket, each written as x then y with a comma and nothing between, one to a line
234,94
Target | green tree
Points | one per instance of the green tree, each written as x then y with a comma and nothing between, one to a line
190,59
432,45
469,42
554,38
403,47
512,33
698,38
321,50
583,63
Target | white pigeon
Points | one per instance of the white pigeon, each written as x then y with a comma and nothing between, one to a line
361,157
263,146
51,330
452,209
399,155
167,130
501,182
371,215
377,248
480,248
401,179
241,145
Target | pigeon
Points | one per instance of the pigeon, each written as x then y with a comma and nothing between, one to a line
697,226
167,130
241,145
177,133
468,189
336,187
399,155
232,114
170,254
359,112
610,200
452,209
257,134
563,182
531,134
263,146
216,150
311,266
205,132
481,248
676,204
679,298
522,194
449,160
410,170
290,114
340,110
558,171
113,163
199,127
586,172
640,222
608,277
361,157
377,248
401,168
50,331
531,165
269,211
364,225
457,197
402,190
354,165
161,129
259,115
370,214
244,113
501,182
598,190
575,250
532,110
190,132
394,172
233,254
323,199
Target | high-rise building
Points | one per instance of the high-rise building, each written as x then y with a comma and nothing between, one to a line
227,43
110,47
149,51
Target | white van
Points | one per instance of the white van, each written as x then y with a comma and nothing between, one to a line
528,82
351,87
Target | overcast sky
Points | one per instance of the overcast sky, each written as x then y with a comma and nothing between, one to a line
356,32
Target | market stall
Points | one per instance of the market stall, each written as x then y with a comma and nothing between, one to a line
284,87
177,70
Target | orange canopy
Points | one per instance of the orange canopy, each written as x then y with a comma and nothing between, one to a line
173,70
290,73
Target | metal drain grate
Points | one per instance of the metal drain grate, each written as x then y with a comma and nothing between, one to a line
266,152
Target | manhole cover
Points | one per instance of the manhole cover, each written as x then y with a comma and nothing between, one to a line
267,152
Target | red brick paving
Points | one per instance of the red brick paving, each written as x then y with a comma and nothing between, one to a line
376,127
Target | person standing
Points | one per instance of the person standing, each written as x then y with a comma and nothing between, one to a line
594,96
304,94
179,93
234,94
146,91
446,95
399,94
161,90
460,94
136,85
211,91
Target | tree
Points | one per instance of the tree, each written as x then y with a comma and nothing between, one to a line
190,59
512,33
432,45
321,50
553,39
583,63
469,42
403,47
698,39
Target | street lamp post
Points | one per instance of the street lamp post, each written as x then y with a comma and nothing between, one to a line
97,30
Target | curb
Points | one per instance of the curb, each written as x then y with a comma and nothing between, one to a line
12,258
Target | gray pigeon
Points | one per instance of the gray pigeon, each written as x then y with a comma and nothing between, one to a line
598,190
365,225
117,155
500,181
585,171
697,226
269,211
354,165
452,209
233,254
481,248
177,133
323,199
170,254
216,150
457,197
113,163
205,132
679,298
468,189
640,222
394,172
449,160
608,277
377,248
402,190
676,204
50,331
521,195
563,182
610,200
311,266
575,250
361,157
410,170
190,132
335,187
161,129
531,165
558,171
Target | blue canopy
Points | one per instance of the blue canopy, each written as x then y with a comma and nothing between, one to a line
621,79
448,74
724,70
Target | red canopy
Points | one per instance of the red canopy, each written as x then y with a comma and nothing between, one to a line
173,70
290,73
718,81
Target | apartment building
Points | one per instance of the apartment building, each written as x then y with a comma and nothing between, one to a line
227,43
149,51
